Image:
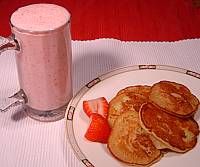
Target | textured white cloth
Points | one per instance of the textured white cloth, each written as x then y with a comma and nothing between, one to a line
27,143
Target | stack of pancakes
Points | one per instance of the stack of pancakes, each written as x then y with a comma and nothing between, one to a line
146,120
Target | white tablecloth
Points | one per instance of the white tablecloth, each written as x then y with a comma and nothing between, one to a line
27,143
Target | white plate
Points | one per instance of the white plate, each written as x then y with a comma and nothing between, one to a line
96,154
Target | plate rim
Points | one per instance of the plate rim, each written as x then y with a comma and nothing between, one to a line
76,98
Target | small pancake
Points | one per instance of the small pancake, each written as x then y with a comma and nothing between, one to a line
130,143
130,98
179,135
174,98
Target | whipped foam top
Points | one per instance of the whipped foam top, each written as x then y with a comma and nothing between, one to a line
40,17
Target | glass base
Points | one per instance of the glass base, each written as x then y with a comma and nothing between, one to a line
46,116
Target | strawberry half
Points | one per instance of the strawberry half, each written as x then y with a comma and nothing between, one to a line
99,105
98,130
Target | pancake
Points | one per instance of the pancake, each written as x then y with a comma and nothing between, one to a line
179,135
174,98
128,99
130,143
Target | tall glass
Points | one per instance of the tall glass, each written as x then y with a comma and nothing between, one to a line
42,40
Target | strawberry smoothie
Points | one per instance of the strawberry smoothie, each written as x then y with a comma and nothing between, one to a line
44,61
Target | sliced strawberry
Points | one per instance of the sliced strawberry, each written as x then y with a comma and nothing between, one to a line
98,130
99,105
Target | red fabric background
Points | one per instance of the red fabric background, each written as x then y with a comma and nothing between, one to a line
143,20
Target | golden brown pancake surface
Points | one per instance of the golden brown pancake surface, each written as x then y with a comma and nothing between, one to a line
130,98
174,98
178,134
129,143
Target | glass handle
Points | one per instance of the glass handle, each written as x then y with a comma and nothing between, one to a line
15,104
9,43
21,99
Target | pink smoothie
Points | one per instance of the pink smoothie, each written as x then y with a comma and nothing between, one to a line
44,61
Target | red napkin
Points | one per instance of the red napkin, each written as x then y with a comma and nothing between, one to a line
130,20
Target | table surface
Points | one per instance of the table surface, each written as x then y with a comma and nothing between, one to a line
127,20
27,143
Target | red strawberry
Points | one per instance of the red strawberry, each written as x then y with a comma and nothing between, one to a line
98,130
99,105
